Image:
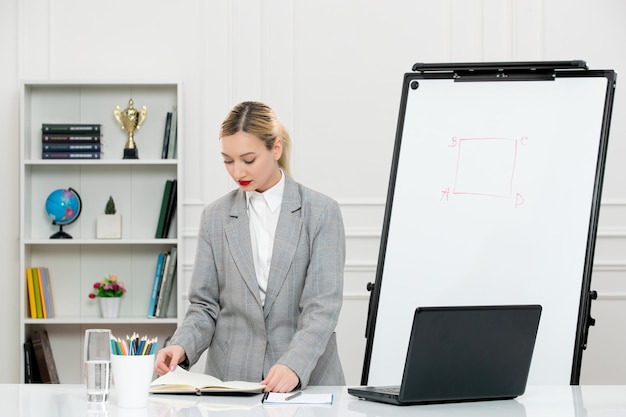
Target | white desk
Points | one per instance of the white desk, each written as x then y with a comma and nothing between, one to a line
550,401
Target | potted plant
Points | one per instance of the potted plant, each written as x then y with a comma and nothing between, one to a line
109,224
109,292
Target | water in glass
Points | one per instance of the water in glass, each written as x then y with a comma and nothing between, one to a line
97,364
97,378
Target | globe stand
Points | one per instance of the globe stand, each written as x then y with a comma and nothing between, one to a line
61,234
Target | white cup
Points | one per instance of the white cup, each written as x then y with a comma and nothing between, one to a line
132,375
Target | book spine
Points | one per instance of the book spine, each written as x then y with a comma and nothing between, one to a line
70,138
44,357
47,291
31,293
166,135
71,147
156,284
28,363
71,128
70,155
164,202
166,288
37,293
42,294
171,209
34,367
159,301
52,369
171,148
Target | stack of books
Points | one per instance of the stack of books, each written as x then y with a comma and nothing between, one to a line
168,209
39,293
71,141
39,364
164,276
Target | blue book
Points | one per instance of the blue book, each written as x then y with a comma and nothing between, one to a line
47,291
169,274
158,273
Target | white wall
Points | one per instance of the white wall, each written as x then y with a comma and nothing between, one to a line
333,71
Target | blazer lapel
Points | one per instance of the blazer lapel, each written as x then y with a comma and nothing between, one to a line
238,238
285,241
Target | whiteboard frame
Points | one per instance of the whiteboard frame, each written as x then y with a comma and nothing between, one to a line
494,73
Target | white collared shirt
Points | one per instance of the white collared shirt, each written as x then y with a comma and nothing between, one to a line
263,211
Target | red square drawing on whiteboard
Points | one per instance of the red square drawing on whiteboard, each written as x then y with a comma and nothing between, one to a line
485,166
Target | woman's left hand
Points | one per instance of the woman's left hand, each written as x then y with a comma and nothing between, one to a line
280,378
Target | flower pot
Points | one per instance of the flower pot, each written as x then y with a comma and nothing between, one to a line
109,226
110,307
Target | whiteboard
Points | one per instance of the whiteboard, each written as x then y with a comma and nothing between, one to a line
493,199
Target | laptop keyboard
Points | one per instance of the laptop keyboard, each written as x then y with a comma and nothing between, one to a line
393,389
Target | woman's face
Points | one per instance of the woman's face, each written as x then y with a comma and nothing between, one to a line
249,163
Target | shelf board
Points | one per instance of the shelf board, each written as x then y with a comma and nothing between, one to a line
102,83
71,242
101,162
99,320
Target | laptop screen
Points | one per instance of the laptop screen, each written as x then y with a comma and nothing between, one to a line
470,352
464,353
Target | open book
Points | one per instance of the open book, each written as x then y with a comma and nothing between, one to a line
181,381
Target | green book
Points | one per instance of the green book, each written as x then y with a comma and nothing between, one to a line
171,210
38,303
163,213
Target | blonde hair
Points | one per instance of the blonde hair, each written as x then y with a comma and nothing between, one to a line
259,119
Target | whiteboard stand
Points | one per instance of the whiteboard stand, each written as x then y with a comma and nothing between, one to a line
494,196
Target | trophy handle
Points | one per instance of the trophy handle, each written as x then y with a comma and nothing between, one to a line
118,115
141,116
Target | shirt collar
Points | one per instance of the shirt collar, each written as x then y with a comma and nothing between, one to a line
273,196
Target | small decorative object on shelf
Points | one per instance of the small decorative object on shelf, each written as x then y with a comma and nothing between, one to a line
109,224
110,307
63,207
110,207
130,119
109,291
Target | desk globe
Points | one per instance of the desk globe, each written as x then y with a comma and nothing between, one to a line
63,207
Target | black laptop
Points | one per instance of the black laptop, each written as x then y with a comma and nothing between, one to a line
468,353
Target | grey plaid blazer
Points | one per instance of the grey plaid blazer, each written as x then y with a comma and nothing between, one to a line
296,325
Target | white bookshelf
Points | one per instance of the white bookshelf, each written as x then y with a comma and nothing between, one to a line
137,188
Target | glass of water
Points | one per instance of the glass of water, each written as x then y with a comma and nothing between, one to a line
97,364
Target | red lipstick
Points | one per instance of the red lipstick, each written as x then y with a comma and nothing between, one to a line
244,183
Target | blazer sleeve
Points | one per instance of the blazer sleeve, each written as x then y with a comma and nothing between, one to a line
196,331
322,295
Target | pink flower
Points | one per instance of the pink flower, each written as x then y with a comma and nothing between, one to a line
109,286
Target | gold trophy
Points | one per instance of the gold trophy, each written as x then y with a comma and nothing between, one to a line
130,119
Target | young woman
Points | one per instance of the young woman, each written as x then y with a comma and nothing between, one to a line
266,288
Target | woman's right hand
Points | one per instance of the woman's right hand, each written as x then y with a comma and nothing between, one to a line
168,358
